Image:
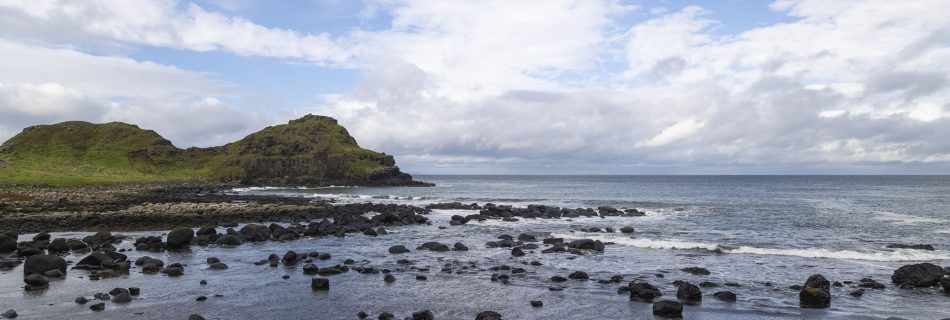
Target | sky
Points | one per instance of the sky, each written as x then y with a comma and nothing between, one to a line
507,87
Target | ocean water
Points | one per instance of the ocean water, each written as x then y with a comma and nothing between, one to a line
765,233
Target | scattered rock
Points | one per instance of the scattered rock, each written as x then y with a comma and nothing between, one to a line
668,308
398,249
917,275
36,281
81,300
816,293
689,293
9,314
579,275
389,278
195,317
434,246
537,304
488,315
857,293
627,229
558,279
124,297
41,263
98,307
726,296
179,238
642,291
517,252
423,315
310,269
697,271
459,247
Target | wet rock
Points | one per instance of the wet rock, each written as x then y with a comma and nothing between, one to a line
488,315
386,316
81,300
517,252
668,308
587,244
179,238
201,298
290,258
459,247
579,275
7,242
558,279
206,231
816,293
697,271
398,249
857,293
627,229
537,304
324,256
174,271
36,281
218,266
195,317
917,275
329,271
527,238
212,260
433,246
117,291
134,291
423,315
9,314
911,246
98,307
389,278
689,293
871,284
422,278
726,296
124,297
310,269
229,240
41,263
642,291
58,245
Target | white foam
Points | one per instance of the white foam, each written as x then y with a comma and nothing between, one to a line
905,219
895,255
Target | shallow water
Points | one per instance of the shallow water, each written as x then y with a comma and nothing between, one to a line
747,230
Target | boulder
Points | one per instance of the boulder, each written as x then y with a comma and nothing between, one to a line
310,269
179,238
587,244
816,293
626,229
7,242
459,247
98,307
229,240
945,283
726,296
642,291
423,315
290,258
434,246
218,266
917,275
668,308
689,293
9,314
320,284
206,231
41,263
36,281
579,275
58,245
123,297
697,271
398,249
517,252
488,315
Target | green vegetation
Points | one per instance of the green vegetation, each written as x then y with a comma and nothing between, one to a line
312,150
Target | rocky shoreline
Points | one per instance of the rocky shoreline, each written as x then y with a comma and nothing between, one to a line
200,215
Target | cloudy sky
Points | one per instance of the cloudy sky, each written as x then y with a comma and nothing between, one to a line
501,86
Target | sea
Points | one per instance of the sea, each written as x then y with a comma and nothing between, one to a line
760,234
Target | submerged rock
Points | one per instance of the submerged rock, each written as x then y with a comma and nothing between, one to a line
689,293
398,249
643,292
488,315
668,308
726,296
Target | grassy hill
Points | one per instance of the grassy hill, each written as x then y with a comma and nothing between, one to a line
312,151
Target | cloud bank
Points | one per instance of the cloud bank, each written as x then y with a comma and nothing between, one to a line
547,86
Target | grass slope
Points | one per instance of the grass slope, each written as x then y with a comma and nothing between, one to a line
77,152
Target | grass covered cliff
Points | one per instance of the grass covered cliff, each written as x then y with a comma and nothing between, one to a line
310,151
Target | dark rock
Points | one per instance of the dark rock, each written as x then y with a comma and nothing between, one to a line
98,307
871,283
579,275
218,266
310,269
537,304
398,249
642,291
206,231
587,244
124,297
423,315
668,308
290,258
389,278
422,278
558,279
517,252
434,246
117,291
195,317
36,281
81,300
329,271
488,315
911,246
134,291
857,293
917,275
58,245
697,271
689,293
726,296
459,247
41,263
626,229
386,316
212,260
7,243
201,298
816,293
229,240
179,238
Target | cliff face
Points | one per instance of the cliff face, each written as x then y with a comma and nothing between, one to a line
310,151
